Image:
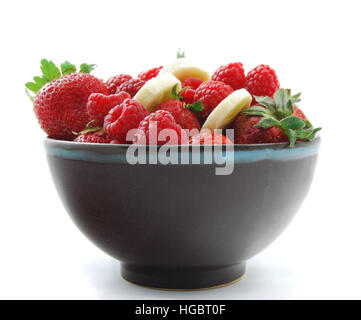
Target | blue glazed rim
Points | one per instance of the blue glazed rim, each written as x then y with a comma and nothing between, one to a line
116,153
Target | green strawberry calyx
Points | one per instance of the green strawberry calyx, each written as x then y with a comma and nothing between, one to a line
194,107
278,112
51,72
90,129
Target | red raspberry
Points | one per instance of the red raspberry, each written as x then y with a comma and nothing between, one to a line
154,124
188,96
231,74
149,74
211,93
99,105
60,105
209,138
298,113
131,86
114,82
93,137
246,133
184,117
123,118
262,81
193,83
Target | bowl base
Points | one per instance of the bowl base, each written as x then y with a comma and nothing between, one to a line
183,279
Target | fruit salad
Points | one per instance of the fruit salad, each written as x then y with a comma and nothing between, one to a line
181,98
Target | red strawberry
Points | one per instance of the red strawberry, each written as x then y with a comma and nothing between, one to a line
262,81
184,117
99,105
131,86
149,74
114,82
193,83
211,93
160,128
188,95
123,118
231,74
299,113
60,105
209,138
93,137
246,133
274,120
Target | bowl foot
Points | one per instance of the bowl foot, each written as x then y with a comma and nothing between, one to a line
183,279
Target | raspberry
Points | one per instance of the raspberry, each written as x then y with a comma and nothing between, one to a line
188,96
149,74
131,86
114,82
231,74
193,83
262,81
184,117
209,138
246,133
123,118
154,124
211,93
93,137
99,105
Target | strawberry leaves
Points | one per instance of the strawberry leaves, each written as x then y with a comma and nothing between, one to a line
51,72
278,112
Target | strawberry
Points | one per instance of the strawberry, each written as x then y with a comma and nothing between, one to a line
231,74
131,86
60,101
273,120
99,105
114,82
262,81
160,128
210,94
92,134
209,138
149,74
187,95
122,119
183,116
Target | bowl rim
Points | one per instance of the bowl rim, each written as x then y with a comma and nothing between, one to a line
97,146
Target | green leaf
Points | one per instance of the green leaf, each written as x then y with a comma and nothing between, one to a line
265,101
283,103
180,54
291,136
313,134
266,123
86,68
50,70
257,111
293,122
174,93
195,107
67,67
29,95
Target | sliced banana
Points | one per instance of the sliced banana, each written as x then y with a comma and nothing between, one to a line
183,69
228,109
156,90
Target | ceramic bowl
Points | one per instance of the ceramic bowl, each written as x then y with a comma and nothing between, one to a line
181,226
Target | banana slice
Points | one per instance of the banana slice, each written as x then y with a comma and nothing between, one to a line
156,90
228,109
182,69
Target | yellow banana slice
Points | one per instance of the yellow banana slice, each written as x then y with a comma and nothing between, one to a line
156,90
182,69
228,109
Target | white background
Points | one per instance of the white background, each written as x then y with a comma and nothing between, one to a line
315,48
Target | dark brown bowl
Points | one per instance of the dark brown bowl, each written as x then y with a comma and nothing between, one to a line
181,226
